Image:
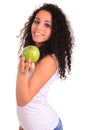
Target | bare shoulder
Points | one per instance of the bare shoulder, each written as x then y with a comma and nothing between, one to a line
47,66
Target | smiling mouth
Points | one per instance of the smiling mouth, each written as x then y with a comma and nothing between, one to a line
37,34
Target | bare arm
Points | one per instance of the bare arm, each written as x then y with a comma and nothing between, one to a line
26,88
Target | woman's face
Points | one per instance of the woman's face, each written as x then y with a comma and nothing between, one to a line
41,27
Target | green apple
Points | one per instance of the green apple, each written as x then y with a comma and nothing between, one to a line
31,52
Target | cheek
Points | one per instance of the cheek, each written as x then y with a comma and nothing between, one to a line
32,27
49,34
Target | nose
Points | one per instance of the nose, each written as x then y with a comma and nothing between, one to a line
40,26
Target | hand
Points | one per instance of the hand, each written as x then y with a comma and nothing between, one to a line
25,67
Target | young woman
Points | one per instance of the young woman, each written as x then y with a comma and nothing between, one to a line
49,30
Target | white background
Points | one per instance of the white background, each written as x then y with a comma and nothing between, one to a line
69,98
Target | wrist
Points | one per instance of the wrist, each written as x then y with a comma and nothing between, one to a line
22,74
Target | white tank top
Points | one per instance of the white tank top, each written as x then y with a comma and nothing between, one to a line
38,114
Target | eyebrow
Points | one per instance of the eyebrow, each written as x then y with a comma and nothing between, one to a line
45,20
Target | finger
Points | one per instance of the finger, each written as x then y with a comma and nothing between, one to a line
22,64
22,59
27,67
32,67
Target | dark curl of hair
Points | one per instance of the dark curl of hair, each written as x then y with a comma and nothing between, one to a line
60,42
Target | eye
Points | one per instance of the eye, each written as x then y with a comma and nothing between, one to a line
47,25
36,21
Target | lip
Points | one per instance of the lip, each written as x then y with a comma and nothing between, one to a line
37,34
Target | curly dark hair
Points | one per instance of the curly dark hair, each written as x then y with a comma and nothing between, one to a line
61,41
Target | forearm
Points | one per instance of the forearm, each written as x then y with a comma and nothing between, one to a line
22,83
22,92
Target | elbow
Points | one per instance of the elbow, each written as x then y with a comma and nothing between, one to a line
23,100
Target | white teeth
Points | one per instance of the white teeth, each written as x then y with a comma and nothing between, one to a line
38,34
